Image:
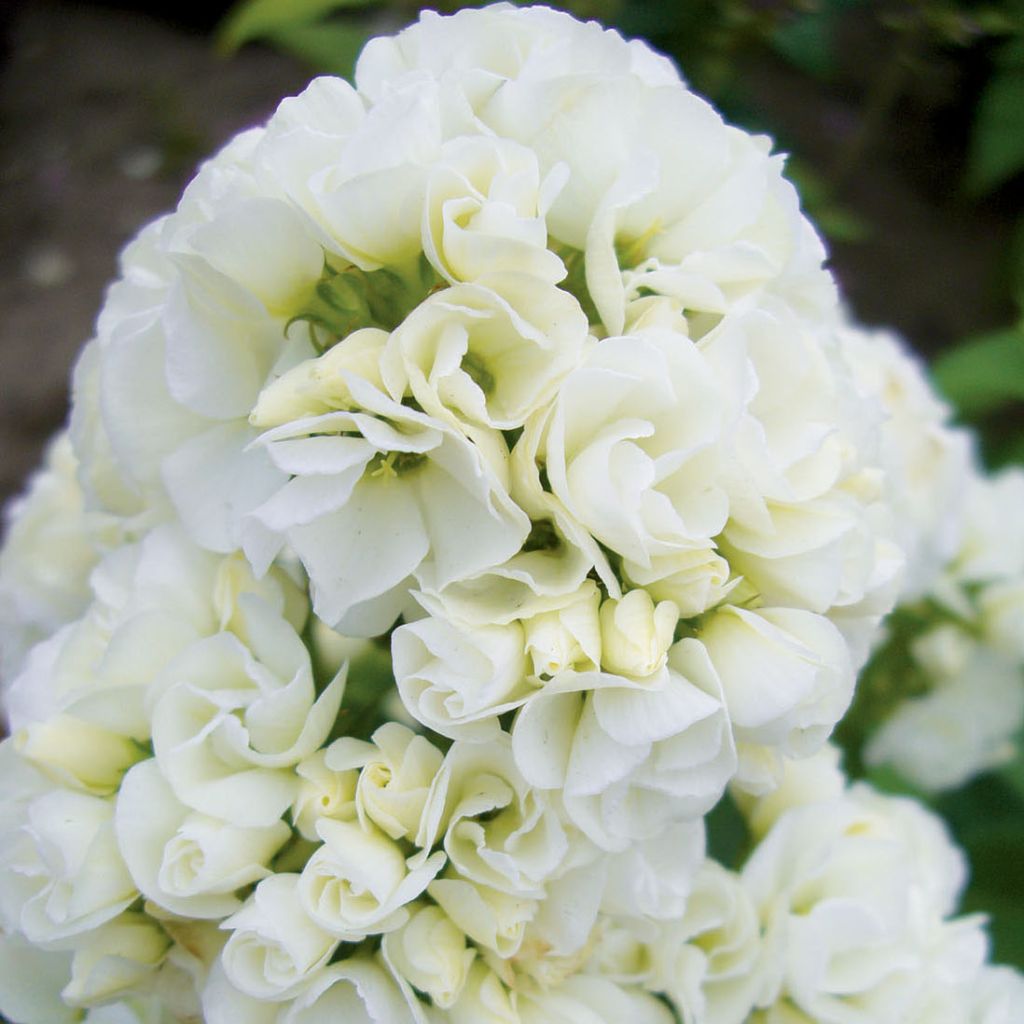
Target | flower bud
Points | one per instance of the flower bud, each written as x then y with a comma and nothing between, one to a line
485,211
636,634
47,556
323,793
395,782
566,639
787,679
356,988
502,832
457,679
695,579
706,960
82,880
484,1000
115,959
359,881
77,753
494,919
188,863
234,577
430,952
275,947
319,385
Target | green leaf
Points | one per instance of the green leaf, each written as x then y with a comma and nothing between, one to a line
996,151
1015,264
1010,453
987,820
983,373
728,838
842,225
1014,773
1006,927
257,19
886,779
807,39
807,43
369,683
329,46
997,888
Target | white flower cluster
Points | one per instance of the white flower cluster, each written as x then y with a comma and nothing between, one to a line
854,891
515,357
952,655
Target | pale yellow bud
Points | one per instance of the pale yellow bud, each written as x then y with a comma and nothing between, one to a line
323,793
567,638
318,386
430,952
117,958
636,634
78,753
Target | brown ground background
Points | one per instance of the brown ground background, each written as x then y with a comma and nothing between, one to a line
105,112
103,115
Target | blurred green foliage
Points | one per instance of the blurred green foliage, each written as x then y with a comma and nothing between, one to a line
265,19
984,373
302,28
997,147
713,41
